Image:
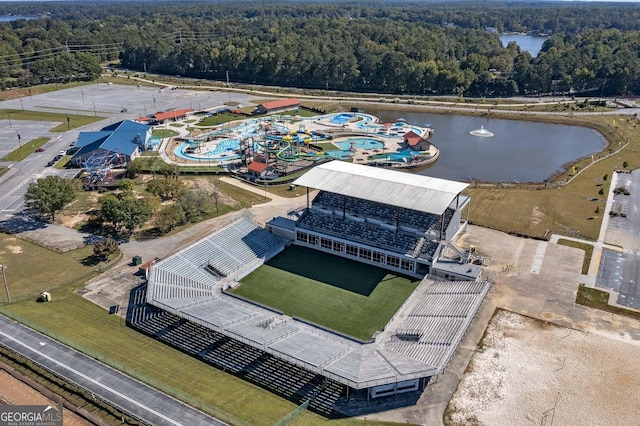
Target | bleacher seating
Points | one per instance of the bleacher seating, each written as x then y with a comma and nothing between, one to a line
359,231
254,365
220,254
421,221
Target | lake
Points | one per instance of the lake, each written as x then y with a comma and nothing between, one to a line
9,18
530,43
519,151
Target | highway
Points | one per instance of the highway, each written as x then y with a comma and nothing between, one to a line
134,397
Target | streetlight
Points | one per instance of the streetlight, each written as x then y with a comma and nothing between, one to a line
9,118
21,104
6,286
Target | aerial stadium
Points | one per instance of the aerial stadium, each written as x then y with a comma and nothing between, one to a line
359,297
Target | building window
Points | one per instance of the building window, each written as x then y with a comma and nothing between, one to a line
365,253
406,265
352,250
393,261
325,243
338,246
313,240
378,257
302,236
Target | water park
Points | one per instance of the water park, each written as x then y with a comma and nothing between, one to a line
277,145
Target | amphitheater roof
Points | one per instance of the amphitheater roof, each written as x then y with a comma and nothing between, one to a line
411,191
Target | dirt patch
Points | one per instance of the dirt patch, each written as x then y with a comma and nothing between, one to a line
15,392
14,249
208,186
537,216
529,371
71,220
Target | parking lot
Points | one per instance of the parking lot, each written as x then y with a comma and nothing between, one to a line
619,270
108,100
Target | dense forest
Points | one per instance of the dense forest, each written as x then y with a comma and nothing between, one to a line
386,47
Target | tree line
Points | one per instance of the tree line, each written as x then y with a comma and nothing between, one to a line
417,49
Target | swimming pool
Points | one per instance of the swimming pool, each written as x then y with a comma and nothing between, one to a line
360,143
393,156
225,150
342,118
340,154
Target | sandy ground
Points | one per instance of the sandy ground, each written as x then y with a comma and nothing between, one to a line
525,367
14,392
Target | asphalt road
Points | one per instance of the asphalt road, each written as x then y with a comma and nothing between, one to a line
120,390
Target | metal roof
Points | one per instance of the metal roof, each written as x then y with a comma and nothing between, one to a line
411,191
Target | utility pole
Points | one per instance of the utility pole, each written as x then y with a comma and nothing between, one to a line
228,86
6,286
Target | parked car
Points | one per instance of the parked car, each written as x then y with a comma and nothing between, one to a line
41,149
124,110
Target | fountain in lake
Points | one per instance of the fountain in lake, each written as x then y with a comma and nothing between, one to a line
481,133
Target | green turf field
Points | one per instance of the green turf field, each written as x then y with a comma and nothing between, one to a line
344,295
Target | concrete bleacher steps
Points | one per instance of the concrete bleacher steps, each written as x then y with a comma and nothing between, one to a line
194,270
439,319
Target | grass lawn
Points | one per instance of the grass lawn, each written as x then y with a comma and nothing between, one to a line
598,299
344,295
326,146
31,269
63,162
25,150
164,133
221,118
588,252
74,120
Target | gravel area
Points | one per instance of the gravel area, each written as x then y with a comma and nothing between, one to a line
527,371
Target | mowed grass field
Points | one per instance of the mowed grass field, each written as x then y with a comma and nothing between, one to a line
344,295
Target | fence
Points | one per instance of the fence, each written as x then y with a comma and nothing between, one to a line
294,414
117,365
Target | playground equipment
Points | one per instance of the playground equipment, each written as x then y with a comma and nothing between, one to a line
100,164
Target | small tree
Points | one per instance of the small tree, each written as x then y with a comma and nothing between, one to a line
605,177
126,185
166,189
49,195
601,192
169,217
194,204
134,168
105,248
625,164
124,211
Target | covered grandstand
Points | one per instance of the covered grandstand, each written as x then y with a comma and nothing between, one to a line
401,221
398,221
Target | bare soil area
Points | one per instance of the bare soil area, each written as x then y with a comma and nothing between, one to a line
15,392
527,371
